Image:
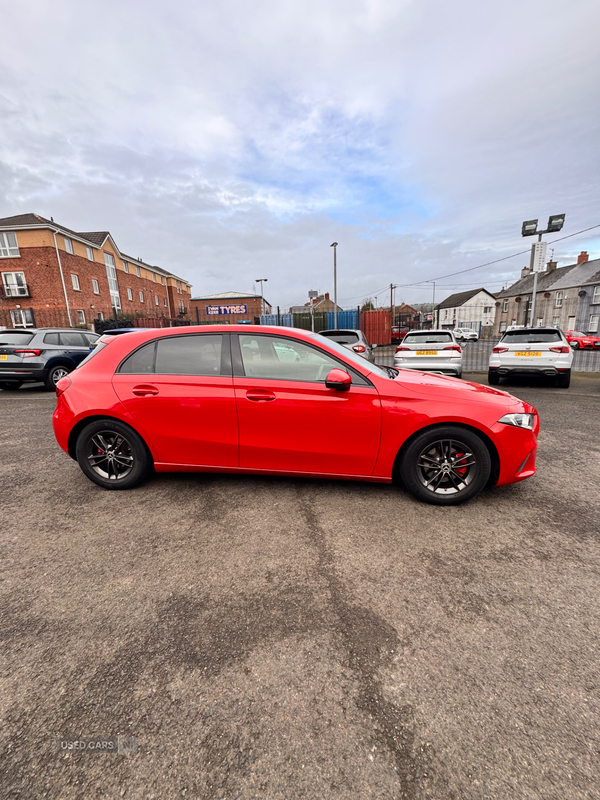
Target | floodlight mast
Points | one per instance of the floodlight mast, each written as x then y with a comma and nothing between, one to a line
529,228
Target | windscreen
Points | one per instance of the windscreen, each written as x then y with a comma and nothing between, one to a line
424,337
531,336
15,337
341,337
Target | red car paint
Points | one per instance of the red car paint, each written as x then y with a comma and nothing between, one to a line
585,341
243,424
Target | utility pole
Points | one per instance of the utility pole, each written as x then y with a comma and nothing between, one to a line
334,245
262,281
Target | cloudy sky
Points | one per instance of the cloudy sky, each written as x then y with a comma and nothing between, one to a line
228,141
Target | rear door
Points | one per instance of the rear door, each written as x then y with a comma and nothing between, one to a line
290,421
179,389
74,346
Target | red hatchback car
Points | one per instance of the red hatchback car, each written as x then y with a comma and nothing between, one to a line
583,341
286,402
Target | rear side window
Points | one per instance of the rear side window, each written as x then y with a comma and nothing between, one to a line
531,337
341,337
189,355
100,346
51,338
72,340
90,337
14,337
141,362
427,338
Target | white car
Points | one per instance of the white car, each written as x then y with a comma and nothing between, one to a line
533,351
465,335
430,351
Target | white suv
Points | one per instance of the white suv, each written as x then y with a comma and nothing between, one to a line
465,335
537,351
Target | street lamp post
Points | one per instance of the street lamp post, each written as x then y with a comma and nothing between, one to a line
433,305
262,293
334,245
529,228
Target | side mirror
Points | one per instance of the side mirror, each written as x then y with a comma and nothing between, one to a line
338,379
373,346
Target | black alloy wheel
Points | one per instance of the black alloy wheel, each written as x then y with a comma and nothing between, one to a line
10,386
575,345
113,455
55,374
446,466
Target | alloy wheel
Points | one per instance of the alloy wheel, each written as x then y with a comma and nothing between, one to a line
446,467
58,373
110,455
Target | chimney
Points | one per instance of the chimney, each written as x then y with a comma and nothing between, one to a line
582,257
525,272
551,265
326,295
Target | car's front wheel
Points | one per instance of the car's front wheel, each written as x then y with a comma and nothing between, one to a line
10,386
446,466
575,345
113,455
55,374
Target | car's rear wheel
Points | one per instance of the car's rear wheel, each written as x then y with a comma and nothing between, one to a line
113,455
564,380
493,377
446,466
10,386
54,375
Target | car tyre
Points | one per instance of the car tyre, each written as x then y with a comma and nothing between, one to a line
445,466
564,380
54,375
113,455
575,345
493,378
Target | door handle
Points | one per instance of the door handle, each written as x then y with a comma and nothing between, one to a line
257,395
142,391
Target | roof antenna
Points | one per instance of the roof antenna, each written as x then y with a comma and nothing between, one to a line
51,219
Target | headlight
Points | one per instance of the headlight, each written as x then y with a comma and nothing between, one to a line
518,420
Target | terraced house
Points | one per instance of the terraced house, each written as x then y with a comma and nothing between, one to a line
52,276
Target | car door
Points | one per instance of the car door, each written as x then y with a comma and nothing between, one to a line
179,389
290,421
74,346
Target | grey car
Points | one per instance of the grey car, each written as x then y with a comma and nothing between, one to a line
41,354
430,351
353,340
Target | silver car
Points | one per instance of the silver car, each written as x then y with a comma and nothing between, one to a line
430,351
353,340
465,335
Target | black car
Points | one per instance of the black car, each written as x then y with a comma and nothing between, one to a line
41,354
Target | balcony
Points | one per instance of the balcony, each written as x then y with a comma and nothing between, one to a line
14,290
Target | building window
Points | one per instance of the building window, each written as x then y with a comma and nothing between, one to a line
514,322
593,326
540,322
505,306
129,294
182,307
141,297
571,324
95,286
8,245
446,313
156,299
559,299
179,289
487,309
596,297
126,267
75,282
113,286
162,280
90,253
14,284
81,316
100,316
164,301
68,245
137,272
556,321
154,277
21,318
503,326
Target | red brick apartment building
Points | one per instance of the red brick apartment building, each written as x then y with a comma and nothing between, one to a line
51,276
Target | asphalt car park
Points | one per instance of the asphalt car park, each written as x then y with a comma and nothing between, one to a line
289,638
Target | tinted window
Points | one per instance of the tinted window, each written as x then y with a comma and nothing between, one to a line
72,340
189,355
51,338
427,338
284,359
141,362
10,337
90,337
341,337
531,337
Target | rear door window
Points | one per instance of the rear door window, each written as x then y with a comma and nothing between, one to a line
189,355
72,340
140,362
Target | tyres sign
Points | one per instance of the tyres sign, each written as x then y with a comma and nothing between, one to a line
214,310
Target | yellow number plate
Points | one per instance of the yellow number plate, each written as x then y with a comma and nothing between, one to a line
527,354
427,352
3,358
